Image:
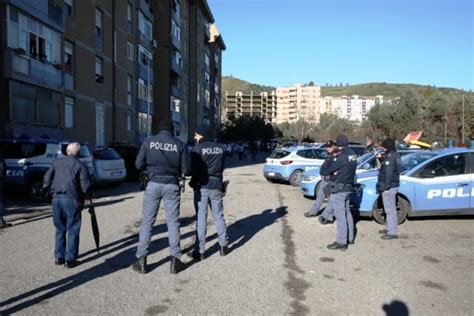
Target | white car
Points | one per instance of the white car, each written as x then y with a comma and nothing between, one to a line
109,166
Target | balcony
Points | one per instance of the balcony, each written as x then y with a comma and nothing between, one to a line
144,6
176,116
174,91
175,42
174,66
23,68
145,72
69,81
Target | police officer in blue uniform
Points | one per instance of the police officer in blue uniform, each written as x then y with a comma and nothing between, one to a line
166,160
342,171
327,216
388,185
68,180
207,166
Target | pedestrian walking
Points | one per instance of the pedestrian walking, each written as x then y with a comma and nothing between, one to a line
342,171
68,182
166,160
388,185
207,166
3,171
327,216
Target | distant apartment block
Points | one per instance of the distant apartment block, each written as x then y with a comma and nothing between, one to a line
298,102
263,105
353,108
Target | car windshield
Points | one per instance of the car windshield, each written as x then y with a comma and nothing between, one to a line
106,154
278,154
411,160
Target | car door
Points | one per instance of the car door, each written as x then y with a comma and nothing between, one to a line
443,184
470,162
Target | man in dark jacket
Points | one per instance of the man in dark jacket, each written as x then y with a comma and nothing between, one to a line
166,160
342,175
207,166
68,180
388,185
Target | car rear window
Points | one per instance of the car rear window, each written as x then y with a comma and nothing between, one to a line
14,150
105,154
277,154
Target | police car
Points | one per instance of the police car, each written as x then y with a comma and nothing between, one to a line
439,182
309,185
27,160
289,164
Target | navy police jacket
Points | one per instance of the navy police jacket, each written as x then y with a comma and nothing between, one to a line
325,166
164,158
342,169
389,173
207,165
68,176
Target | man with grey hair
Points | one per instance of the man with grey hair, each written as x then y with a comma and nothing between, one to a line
68,180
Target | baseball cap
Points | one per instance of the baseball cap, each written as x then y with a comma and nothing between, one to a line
330,143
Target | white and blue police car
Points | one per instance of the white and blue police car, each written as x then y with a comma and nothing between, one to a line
28,159
309,185
438,182
289,164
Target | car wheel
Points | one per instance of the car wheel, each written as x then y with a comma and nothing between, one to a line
36,192
316,189
403,207
295,178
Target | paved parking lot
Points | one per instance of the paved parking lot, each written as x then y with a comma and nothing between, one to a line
279,263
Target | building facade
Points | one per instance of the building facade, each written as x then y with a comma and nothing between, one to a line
354,108
298,103
106,71
263,105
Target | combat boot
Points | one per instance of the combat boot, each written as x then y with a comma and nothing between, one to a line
140,265
176,265
224,250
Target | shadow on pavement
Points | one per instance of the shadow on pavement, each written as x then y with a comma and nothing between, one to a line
120,261
396,308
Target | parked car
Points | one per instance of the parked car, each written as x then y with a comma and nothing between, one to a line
289,164
129,155
28,159
109,166
439,182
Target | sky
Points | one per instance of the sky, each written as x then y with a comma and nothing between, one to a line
283,42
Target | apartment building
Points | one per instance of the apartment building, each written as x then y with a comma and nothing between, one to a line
263,105
298,102
354,108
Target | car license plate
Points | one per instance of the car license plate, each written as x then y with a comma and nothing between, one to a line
271,174
117,173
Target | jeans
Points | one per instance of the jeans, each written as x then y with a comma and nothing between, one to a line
154,193
66,219
389,198
203,198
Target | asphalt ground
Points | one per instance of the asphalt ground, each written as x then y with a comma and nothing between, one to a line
279,263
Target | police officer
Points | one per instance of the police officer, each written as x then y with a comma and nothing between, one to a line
207,166
3,170
68,180
165,159
342,170
327,216
388,185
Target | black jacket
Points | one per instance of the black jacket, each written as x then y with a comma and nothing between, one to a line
207,165
68,176
389,173
342,169
164,158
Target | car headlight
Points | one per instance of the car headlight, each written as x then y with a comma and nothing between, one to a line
309,178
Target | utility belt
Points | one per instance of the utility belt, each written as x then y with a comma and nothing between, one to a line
335,187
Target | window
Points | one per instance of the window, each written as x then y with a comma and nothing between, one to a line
145,57
143,121
144,25
175,30
129,120
144,93
98,29
99,77
445,166
175,104
69,112
68,57
129,89
68,4
130,51
129,18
